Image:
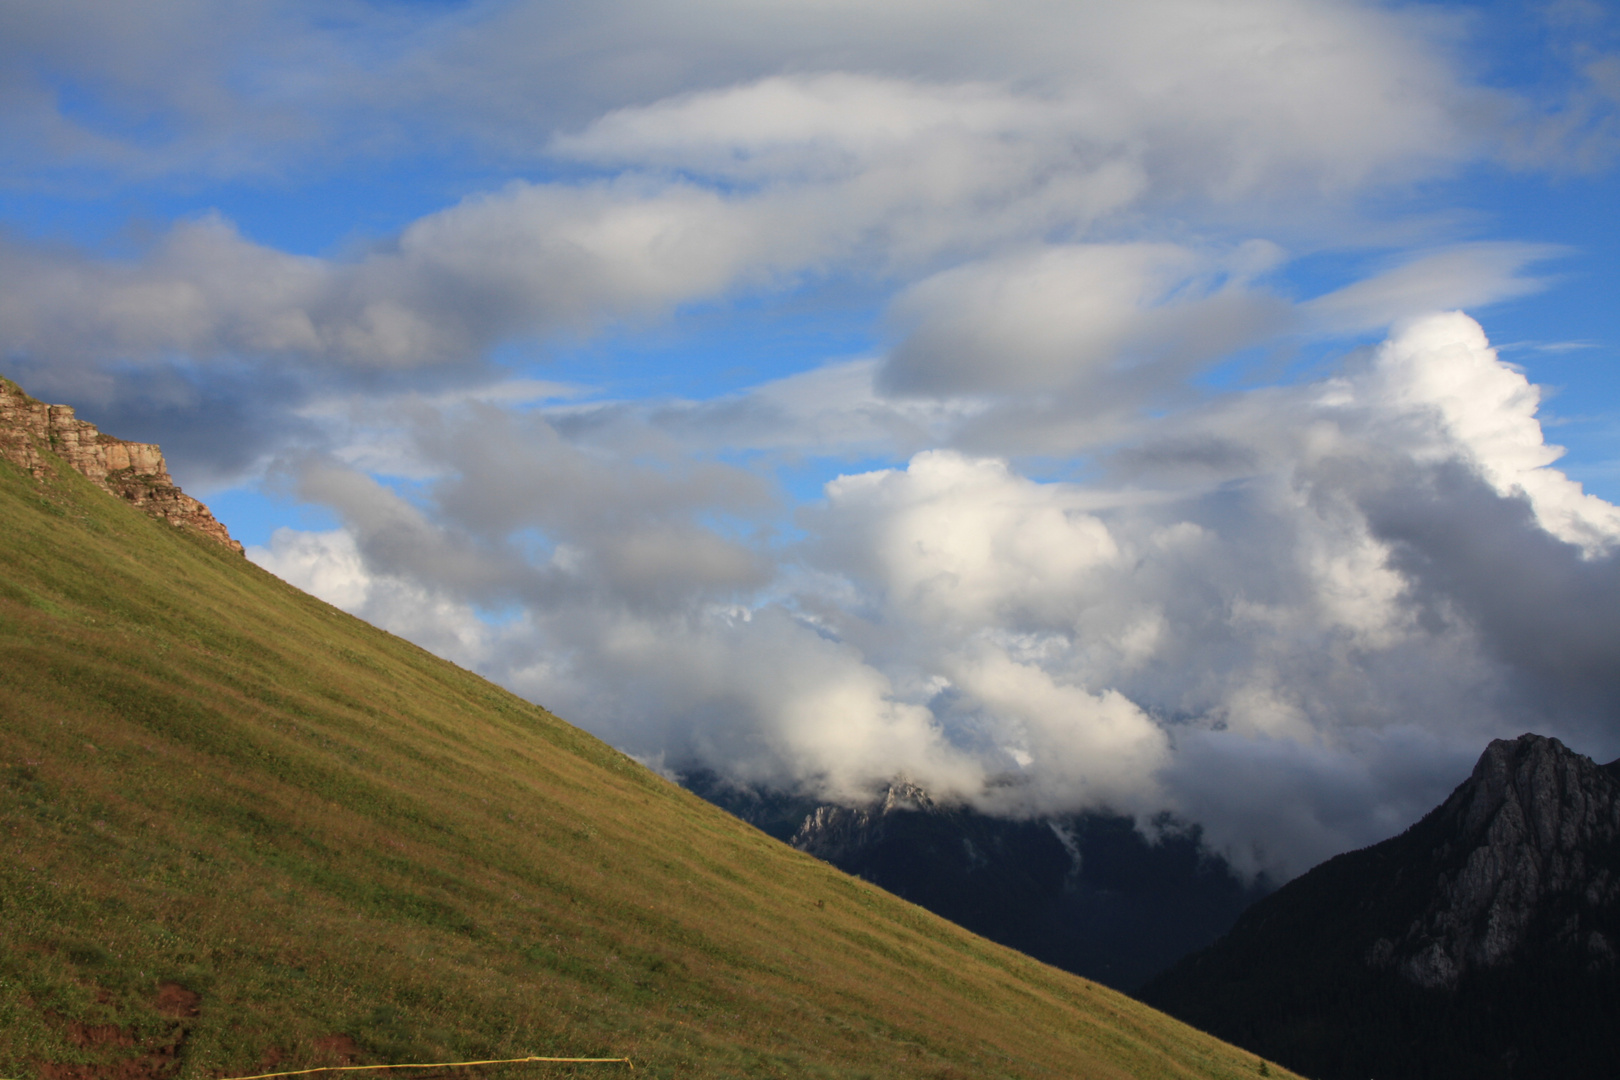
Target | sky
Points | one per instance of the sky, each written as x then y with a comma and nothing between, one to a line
1202,406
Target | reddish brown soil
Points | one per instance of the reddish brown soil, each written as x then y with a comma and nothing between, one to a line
174,1000
155,1065
340,1046
159,1057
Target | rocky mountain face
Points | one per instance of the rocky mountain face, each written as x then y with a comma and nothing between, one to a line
1530,829
132,471
1088,893
1479,943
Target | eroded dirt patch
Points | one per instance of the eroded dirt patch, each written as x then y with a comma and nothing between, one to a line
176,1002
158,1065
339,1046
155,1058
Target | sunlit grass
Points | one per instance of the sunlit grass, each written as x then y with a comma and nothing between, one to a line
209,778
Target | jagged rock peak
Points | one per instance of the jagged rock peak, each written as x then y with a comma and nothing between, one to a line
1480,942
31,431
904,795
831,831
1536,791
1525,835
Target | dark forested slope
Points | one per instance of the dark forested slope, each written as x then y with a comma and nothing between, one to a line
1088,892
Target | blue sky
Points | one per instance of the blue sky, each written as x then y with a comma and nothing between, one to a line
1063,404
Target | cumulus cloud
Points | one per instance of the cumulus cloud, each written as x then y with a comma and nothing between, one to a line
1445,370
331,565
962,540
1322,598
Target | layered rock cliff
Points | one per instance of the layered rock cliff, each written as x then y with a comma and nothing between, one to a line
34,435
1479,943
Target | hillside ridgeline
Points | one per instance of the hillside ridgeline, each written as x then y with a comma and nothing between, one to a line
244,831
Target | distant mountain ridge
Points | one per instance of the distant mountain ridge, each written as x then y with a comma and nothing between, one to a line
1084,892
1482,942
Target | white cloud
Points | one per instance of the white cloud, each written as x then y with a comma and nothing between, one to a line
330,565
1251,89
966,541
1466,276
1444,368
1265,599
327,564
1078,317
863,159
1315,598
527,260
1074,747
1221,99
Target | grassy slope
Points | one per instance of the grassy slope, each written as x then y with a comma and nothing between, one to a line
210,778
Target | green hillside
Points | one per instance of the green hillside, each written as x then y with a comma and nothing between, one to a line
243,830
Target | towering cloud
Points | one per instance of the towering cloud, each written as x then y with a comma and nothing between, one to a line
1290,614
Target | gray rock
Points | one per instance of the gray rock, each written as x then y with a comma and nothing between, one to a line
1523,825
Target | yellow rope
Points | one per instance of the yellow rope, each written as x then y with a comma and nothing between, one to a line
437,1065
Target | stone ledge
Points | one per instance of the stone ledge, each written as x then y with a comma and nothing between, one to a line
132,471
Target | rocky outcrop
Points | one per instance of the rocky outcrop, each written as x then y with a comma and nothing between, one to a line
1528,830
1480,942
837,834
34,435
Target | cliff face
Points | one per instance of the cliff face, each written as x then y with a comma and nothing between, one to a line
1479,943
134,472
843,834
1527,832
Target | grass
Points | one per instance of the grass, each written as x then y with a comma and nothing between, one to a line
337,848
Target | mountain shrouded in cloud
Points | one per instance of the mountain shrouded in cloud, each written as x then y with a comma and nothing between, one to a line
1315,597
1057,405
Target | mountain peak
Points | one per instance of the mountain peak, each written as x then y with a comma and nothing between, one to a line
835,833
30,430
1521,827
1489,928
1532,790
